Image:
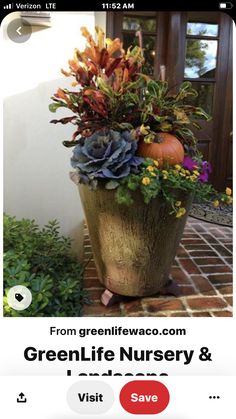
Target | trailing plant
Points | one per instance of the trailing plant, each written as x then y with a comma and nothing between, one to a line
41,260
152,181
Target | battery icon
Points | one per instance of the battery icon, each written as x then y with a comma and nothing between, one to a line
227,5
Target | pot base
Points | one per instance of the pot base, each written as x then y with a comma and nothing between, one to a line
109,298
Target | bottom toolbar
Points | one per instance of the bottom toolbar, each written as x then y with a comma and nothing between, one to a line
57,397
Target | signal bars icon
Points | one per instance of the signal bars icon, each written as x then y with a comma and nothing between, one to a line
8,6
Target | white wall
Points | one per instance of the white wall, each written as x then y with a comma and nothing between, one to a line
100,20
36,164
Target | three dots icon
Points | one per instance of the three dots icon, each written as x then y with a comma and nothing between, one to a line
214,397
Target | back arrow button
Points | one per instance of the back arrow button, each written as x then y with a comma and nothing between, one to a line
18,30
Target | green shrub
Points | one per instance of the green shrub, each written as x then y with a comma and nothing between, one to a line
41,260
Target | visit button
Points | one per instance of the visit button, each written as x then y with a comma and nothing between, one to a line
144,397
90,397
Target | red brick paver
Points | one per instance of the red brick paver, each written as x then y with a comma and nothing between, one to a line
202,269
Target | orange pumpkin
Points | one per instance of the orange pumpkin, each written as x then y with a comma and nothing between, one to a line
165,149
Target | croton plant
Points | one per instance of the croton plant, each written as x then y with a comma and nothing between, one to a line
132,132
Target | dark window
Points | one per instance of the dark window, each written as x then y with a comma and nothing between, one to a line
138,29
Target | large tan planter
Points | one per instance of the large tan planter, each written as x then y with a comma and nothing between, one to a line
134,247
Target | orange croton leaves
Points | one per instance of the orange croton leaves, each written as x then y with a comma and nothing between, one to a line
96,100
101,59
104,73
64,96
61,95
96,56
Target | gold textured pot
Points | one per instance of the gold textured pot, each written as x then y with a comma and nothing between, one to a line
133,247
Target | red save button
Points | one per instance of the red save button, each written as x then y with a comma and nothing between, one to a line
144,397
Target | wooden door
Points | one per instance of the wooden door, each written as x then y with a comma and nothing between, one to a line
193,46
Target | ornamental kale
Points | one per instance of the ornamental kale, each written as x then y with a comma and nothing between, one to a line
107,154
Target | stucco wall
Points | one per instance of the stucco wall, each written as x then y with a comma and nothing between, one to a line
36,165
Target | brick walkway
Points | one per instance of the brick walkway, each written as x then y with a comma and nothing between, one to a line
202,268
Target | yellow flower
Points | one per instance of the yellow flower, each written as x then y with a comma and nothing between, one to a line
182,174
228,191
153,174
229,200
216,203
193,178
196,172
146,181
148,139
165,174
144,130
156,163
178,167
150,168
178,203
187,172
133,134
165,126
180,212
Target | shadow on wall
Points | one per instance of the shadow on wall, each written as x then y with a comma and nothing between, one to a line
37,165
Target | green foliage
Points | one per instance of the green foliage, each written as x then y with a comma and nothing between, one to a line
41,260
54,106
152,181
161,111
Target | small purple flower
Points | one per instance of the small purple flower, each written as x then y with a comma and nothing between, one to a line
189,163
206,169
206,166
203,177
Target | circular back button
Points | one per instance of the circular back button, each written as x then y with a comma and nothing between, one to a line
19,30
144,397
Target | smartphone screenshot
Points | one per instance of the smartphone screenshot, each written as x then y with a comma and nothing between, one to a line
117,203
